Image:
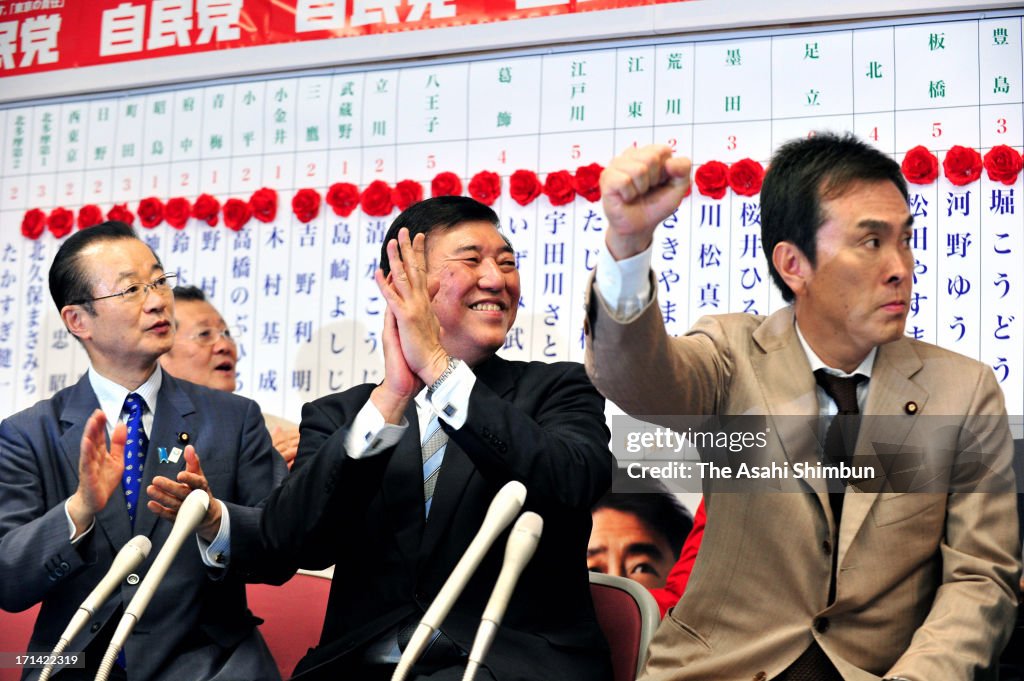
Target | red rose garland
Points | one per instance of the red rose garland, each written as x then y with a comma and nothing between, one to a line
306,204
376,199
745,177
485,187
151,212
120,213
89,216
523,186
206,209
236,213
446,184
1003,164
711,179
558,188
920,166
177,212
60,222
33,223
962,165
264,204
406,193
587,181
342,197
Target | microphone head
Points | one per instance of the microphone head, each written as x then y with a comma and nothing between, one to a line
529,524
506,504
140,544
194,508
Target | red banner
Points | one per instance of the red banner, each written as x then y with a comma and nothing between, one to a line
49,35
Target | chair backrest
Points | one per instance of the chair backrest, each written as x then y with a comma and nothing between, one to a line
15,631
293,616
628,615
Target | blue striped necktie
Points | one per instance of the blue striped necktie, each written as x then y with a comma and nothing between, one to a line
134,453
433,447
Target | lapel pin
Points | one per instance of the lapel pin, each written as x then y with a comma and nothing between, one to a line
175,455
162,453
910,407
183,439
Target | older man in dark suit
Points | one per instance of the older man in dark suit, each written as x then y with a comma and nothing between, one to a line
71,480
396,515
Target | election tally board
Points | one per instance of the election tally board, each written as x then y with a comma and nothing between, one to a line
302,295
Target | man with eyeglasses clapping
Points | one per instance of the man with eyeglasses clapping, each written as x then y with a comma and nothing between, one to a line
73,469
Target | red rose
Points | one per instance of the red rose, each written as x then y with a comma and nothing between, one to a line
711,179
89,215
962,165
206,208
376,199
236,213
920,166
151,212
343,197
485,187
558,188
60,222
1003,164
406,193
587,181
177,212
306,204
120,213
264,204
745,177
32,224
523,186
446,184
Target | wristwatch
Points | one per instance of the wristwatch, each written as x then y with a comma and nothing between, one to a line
452,365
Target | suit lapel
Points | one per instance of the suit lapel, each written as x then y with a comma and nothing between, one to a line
788,387
457,468
82,402
173,407
883,430
402,488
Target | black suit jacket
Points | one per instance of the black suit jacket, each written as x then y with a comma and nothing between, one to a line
541,424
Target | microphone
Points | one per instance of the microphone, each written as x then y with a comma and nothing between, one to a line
506,504
522,543
127,559
191,513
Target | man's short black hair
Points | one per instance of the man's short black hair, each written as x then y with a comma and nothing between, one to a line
802,174
68,283
440,212
189,294
657,508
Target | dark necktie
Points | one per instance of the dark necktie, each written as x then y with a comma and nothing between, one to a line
134,454
842,432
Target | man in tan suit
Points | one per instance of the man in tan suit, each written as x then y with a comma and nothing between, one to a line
884,580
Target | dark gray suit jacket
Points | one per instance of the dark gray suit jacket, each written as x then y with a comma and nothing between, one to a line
196,627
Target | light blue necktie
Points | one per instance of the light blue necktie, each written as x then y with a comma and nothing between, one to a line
433,454
134,454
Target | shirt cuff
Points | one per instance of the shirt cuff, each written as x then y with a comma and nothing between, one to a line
451,399
370,434
624,285
217,554
71,526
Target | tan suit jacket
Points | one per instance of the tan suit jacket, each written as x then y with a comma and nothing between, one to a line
926,583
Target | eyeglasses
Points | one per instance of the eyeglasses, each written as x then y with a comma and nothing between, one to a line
135,293
211,336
